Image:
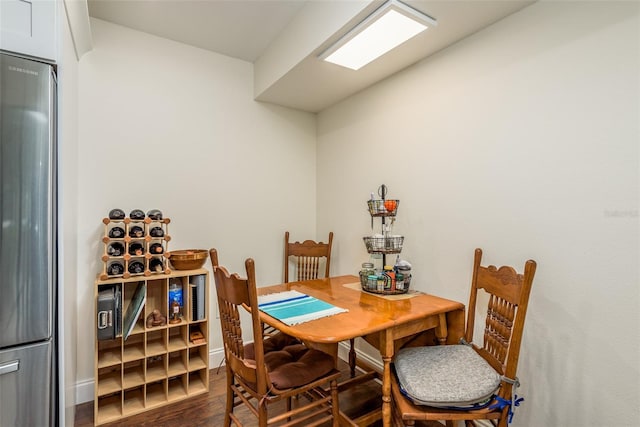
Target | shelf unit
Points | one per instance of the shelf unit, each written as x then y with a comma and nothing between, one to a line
158,365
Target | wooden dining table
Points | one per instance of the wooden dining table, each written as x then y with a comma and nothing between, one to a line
384,321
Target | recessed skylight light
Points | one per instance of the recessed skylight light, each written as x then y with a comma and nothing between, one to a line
389,26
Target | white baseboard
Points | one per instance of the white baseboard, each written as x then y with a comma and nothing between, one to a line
85,389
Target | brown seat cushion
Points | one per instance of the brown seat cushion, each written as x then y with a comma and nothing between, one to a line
297,365
291,364
274,343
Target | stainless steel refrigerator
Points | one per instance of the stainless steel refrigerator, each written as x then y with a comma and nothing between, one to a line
28,374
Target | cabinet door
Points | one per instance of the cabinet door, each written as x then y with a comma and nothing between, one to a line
28,27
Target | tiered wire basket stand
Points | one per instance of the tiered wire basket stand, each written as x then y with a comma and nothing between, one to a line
384,243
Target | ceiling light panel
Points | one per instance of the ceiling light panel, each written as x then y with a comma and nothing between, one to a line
386,28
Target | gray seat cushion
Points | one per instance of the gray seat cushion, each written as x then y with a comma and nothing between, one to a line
445,376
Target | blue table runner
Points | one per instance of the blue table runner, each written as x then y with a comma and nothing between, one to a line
293,307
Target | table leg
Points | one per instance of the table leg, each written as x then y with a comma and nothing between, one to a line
441,330
386,351
352,357
386,392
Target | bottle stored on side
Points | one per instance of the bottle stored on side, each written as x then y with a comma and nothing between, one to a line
115,268
137,214
136,249
136,231
136,267
155,214
156,265
156,249
116,233
116,214
115,249
156,232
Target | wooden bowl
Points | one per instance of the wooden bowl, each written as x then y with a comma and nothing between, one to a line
188,259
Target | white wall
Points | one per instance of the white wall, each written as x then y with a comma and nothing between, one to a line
168,126
523,140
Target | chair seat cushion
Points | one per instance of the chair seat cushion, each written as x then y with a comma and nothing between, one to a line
297,365
276,342
290,363
452,376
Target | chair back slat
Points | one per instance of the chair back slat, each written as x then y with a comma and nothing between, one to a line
307,267
498,327
309,257
232,330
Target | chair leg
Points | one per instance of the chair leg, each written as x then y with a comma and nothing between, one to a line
289,406
262,414
335,407
230,399
352,357
396,418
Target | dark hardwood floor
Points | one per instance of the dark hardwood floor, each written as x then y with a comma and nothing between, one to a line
208,409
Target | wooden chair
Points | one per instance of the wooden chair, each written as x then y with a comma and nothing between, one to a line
508,296
269,371
308,256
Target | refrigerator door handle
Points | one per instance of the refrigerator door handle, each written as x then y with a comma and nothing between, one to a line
7,367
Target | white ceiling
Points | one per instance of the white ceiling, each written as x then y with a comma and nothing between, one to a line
284,37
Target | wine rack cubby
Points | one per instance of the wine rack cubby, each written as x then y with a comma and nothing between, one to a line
138,246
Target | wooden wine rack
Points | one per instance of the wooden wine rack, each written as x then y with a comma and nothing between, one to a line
145,239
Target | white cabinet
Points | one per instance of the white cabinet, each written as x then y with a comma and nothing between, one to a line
28,27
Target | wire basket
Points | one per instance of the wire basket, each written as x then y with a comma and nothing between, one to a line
383,207
381,285
384,245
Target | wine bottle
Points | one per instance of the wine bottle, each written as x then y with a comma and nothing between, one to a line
156,265
136,249
115,249
136,267
136,214
156,248
115,268
116,233
136,231
116,214
156,232
155,214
